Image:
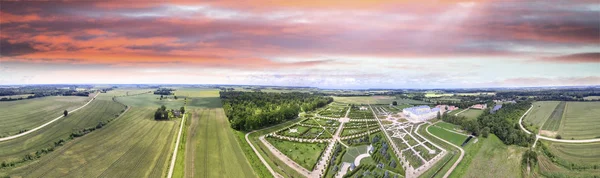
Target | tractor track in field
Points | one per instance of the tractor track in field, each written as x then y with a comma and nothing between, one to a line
190,151
206,150
128,150
219,146
146,151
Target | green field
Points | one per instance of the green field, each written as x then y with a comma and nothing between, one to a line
24,96
540,112
453,138
151,100
30,113
582,153
581,121
553,122
375,100
495,159
305,154
471,113
89,116
211,149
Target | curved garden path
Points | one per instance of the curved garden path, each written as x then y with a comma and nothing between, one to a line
260,156
538,136
47,123
462,153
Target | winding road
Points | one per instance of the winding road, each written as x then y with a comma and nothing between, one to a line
47,123
538,136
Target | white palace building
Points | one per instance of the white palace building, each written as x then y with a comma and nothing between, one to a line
421,113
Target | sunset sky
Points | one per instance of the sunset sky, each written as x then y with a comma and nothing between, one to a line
327,44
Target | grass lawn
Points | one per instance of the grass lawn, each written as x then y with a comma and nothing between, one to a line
449,126
495,159
453,138
30,113
305,154
353,152
553,122
540,112
134,145
88,116
471,113
581,120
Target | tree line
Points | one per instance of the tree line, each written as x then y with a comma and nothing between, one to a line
504,123
253,110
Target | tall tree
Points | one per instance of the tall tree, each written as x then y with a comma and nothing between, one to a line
65,113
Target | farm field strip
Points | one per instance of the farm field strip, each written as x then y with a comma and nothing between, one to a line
61,129
134,145
581,120
541,112
553,122
579,153
30,113
217,152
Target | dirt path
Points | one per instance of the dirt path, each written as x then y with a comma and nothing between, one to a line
47,123
174,157
552,139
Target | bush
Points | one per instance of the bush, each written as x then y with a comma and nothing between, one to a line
558,137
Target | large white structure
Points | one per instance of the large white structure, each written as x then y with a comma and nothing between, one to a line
421,113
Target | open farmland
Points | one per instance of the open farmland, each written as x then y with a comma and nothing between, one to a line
211,149
553,122
27,114
151,100
582,153
581,120
47,137
471,113
540,112
132,146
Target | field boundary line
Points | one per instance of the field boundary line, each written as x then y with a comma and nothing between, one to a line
46,124
174,157
552,139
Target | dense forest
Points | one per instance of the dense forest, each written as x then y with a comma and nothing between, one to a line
254,110
504,123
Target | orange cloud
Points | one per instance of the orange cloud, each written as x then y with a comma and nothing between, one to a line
10,18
